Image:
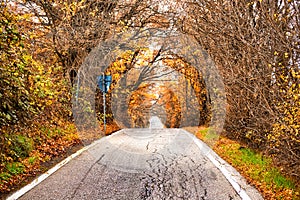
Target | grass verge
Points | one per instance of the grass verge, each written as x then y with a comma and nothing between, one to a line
24,155
27,157
259,170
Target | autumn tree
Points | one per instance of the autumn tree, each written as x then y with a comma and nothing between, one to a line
133,69
34,97
26,88
256,47
78,26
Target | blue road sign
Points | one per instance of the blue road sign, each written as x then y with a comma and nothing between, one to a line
105,83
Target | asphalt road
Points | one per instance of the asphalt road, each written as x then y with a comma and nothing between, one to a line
154,163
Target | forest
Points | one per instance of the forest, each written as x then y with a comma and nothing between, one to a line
254,45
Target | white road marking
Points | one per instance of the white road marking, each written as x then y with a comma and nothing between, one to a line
42,177
222,165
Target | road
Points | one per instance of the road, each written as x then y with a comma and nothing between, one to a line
154,163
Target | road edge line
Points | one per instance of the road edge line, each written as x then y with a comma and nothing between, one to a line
45,175
226,169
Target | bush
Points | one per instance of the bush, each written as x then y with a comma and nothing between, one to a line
25,85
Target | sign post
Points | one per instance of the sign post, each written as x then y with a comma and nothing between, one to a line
104,82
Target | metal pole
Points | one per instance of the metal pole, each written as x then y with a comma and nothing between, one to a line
104,88
77,88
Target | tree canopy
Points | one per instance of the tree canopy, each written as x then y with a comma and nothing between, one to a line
253,44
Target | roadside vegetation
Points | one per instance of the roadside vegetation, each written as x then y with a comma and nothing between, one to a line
35,125
258,169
